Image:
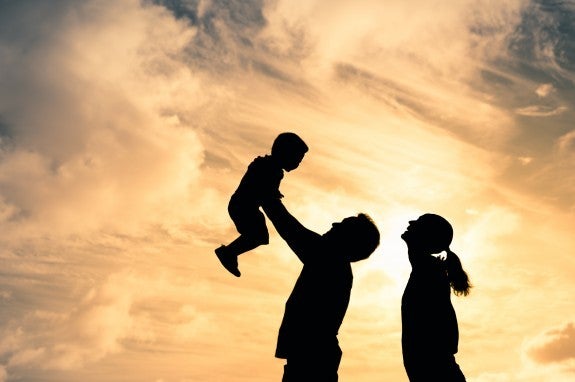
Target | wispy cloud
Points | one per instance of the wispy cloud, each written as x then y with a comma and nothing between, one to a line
566,143
544,90
555,345
541,111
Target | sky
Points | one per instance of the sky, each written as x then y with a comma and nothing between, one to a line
125,126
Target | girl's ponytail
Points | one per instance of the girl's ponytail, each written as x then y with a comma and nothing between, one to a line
458,278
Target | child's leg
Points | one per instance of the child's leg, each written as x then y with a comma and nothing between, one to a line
251,224
245,243
228,255
229,262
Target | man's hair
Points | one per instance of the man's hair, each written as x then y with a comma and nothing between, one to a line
287,143
366,237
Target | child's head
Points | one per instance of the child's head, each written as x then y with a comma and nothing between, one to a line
289,149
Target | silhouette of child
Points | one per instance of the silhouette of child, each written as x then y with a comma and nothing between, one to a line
260,182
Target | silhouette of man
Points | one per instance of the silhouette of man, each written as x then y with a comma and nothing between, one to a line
315,309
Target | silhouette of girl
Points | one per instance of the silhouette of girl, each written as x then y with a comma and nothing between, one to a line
430,334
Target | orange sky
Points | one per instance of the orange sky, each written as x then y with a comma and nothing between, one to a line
126,125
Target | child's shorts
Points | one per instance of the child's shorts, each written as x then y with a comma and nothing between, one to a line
249,220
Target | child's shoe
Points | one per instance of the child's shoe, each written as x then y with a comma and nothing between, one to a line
230,262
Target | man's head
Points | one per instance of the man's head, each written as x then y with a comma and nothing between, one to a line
357,236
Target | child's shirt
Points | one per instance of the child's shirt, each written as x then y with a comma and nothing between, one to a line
261,181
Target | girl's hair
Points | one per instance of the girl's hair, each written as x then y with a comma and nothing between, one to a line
437,236
458,278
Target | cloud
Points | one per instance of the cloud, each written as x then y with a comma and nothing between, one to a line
110,316
566,143
544,90
230,39
541,111
525,160
89,115
542,47
69,340
555,345
473,119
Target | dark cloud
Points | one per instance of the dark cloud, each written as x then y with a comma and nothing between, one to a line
225,30
229,39
544,40
558,345
539,54
239,15
5,131
541,50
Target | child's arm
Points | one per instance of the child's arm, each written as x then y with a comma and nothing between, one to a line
301,240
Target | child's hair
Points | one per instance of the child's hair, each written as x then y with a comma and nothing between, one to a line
287,143
458,278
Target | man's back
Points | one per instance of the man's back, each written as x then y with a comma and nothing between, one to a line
316,307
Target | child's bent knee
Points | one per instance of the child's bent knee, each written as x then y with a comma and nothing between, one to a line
262,238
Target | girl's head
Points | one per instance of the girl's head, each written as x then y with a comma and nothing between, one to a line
430,233
289,149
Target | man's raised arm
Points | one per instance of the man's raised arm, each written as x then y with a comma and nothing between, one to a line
301,240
